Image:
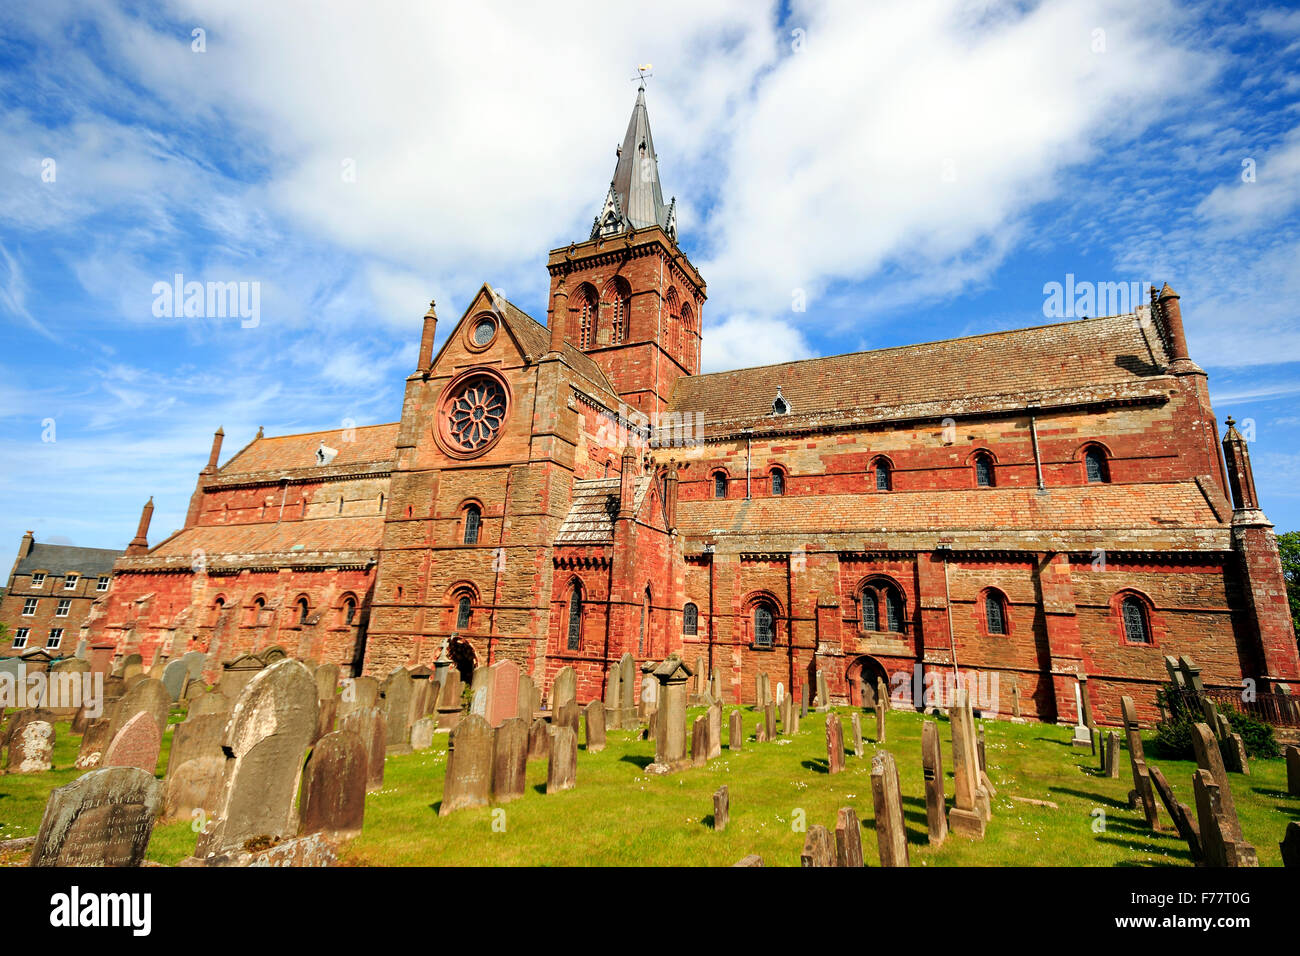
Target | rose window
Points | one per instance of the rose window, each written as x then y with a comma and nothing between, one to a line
476,413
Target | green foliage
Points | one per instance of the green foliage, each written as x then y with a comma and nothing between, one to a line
1255,734
1288,547
1174,736
1174,739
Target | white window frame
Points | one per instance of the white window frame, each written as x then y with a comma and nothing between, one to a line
102,583
54,641
38,580
20,636
63,608
30,606
70,582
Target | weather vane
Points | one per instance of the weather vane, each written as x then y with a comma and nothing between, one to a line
642,72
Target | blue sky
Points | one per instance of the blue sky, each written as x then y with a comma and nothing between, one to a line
913,171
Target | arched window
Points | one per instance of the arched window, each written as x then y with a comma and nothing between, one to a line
870,610
617,309
1136,627
462,612
303,610
1094,465
995,613
586,317
874,594
984,470
645,620
719,484
690,619
764,624
674,308
473,518
778,481
893,610
883,478
255,610
575,617
218,606
349,611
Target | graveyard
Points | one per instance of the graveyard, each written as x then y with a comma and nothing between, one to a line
584,795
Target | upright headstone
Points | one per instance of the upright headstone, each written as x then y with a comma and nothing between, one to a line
1142,795
103,818
594,720
194,767
148,695
396,692
32,747
468,778
503,692
715,729
848,839
855,733
509,760
327,681
785,708
767,690
567,715
823,693
213,702
966,816
1112,755
670,717
368,724
564,688
136,744
627,683
769,721
880,721
1015,702
834,743
932,768
1293,771
524,699
422,732
539,739
721,808
174,676
882,693
891,831
736,731
93,743
270,728
699,741
818,848
562,769
334,786
449,702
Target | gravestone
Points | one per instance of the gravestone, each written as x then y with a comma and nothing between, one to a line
334,786
736,731
195,661
174,676
1210,759
564,689
21,718
468,779
848,839
834,743
699,741
509,760
721,808
148,695
1221,841
270,729
966,816
236,674
1233,749
760,732
1293,771
525,699
1111,767
503,692
882,694
818,848
396,692
422,732
327,681
326,717
31,749
449,702
715,729
891,832
93,743
1180,813
1142,794
823,694
794,722
539,740
213,702
855,733
649,696
1290,845
767,690
136,745
715,685
769,721
594,718
758,691
194,767
369,725
752,860
670,716
103,818
936,819
627,682
880,721
69,686
803,701
568,715
784,708
562,768
131,665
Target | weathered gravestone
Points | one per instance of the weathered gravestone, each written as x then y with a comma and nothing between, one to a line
236,674
130,666
174,676
721,808
334,786
1209,758
327,681
735,730
1142,794
627,682
818,848
1293,771
1221,842
1111,758
568,715
784,708
213,702
539,739
1180,813
880,720
848,839
936,819
823,693
564,688
834,743
103,818
449,700
562,769
594,719
69,686
715,730
769,720
195,661
855,733
699,741
967,816
148,695
649,700
525,699
891,831
509,760
31,748
670,718
270,729
468,779
369,725
136,745
93,743
396,692
752,859
20,718
194,767
1290,845
422,732
326,716
503,692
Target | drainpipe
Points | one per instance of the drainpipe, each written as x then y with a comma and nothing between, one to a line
1033,437
946,550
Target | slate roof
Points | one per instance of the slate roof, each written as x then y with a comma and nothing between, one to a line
372,443
1119,357
61,559
595,506
310,535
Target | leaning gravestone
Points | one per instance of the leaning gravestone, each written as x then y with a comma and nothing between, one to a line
103,818
327,681
468,778
891,832
1143,794
967,816
368,724
510,759
848,839
818,848
136,745
194,767
93,743
21,718
265,741
31,748
834,743
932,769
334,786
174,676
1293,771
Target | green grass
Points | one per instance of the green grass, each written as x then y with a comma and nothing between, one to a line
618,815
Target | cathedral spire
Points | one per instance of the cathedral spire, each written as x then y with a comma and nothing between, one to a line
635,199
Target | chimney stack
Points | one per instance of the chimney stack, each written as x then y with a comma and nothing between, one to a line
217,438
426,338
1173,316
140,543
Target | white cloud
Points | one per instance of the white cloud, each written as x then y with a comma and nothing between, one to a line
743,341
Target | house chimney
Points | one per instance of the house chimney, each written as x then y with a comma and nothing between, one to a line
426,338
1241,479
217,438
559,314
1173,316
140,543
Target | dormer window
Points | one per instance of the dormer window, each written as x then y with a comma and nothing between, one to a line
779,404
325,455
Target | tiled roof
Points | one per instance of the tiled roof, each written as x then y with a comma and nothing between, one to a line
1170,505
310,535
535,339
1107,358
372,443
595,506
62,558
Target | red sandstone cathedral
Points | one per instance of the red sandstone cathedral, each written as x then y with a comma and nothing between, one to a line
1037,505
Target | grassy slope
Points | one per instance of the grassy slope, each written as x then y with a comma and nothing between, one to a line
618,815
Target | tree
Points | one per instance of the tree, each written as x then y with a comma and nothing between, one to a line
1288,546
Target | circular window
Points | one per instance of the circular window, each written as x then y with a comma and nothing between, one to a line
485,329
473,414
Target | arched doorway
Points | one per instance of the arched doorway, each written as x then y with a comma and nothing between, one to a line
862,676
